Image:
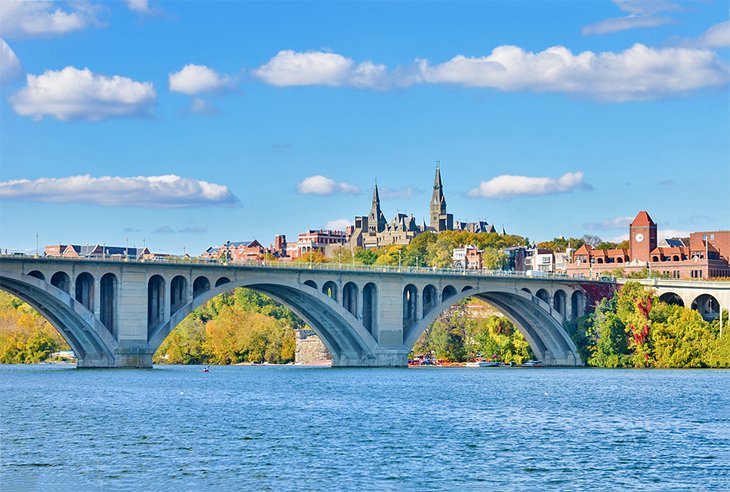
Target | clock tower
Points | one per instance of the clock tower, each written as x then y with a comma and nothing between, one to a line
642,237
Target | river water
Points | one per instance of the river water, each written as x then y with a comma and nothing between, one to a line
298,428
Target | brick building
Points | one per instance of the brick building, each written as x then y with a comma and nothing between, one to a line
240,251
706,256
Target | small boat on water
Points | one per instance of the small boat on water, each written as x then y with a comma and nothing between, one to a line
482,363
532,363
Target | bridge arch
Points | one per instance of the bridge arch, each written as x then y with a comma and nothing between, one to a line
577,304
178,292
559,301
543,295
311,283
542,329
155,302
330,289
430,298
370,307
37,274
671,298
91,342
61,281
221,281
344,336
201,285
349,298
85,290
410,306
109,298
707,305
449,291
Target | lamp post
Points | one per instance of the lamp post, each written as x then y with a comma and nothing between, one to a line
36,245
399,257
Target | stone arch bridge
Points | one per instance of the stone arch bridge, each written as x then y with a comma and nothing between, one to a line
117,313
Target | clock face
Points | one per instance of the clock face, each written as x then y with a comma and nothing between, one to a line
639,237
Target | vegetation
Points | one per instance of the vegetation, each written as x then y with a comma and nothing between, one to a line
635,329
241,326
25,336
458,336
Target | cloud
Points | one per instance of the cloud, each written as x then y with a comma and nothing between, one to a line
37,18
142,7
337,224
130,229
196,79
73,94
666,182
614,223
201,106
167,191
637,73
322,185
164,230
10,68
289,68
507,186
641,14
718,36
406,192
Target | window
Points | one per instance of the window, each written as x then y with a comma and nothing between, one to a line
712,237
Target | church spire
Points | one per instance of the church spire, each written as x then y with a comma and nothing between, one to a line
438,201
376,219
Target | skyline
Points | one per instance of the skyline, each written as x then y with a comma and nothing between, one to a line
198,124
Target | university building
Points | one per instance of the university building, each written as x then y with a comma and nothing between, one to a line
373,231
704,255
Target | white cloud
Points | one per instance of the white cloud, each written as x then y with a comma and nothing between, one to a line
637,73
289,68
614,223
141,6
506,186
670,233
168,191
10,68
72,94
641,14
337,224
406,192
195,79
37,18
322,185
718,36
626,23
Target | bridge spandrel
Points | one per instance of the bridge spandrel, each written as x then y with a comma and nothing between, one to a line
133,304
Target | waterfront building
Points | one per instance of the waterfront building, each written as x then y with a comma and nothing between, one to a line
98,251
706,256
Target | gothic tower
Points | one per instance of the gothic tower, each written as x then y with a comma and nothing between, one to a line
376,219
440,220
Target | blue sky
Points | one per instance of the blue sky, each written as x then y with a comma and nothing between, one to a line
548,118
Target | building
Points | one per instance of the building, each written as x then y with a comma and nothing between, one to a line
98,251
320,240
540,260
374,231
237,251
468,257
706,256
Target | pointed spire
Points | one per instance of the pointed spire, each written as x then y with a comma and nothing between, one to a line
376,195
437,185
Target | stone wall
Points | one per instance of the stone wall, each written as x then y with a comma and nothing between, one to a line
310,348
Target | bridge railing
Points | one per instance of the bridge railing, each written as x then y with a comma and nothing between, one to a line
330,266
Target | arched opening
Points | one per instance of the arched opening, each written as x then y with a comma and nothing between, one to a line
559,301
349,298
330,290
37,274
221,281
619,260
577,304
61,280
654,259
543,295
178,293
599,260
85,290
675,258
707,306
430,298
671,298
525,289
468,287
108,302
370,307
410,303
200,286
311,283
155,301
449,291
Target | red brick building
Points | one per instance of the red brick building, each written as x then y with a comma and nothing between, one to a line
706,256
237,251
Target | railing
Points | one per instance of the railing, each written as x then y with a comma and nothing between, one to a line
331,266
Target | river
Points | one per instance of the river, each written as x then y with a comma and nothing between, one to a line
299,428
